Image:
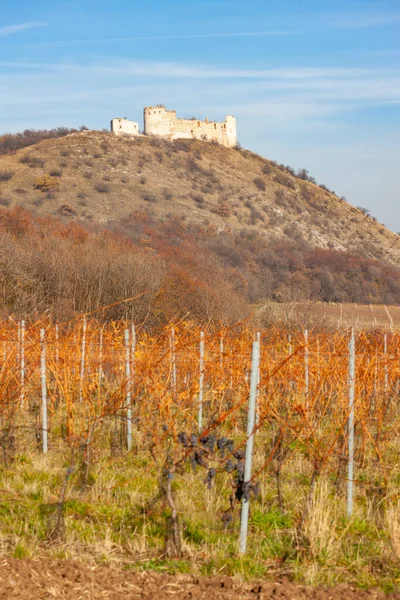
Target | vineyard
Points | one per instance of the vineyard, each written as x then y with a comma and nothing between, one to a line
121,445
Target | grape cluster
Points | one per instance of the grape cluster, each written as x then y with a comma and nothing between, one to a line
211,473
202,448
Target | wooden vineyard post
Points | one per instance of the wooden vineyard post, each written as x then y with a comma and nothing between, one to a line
350,467
44,390
244,521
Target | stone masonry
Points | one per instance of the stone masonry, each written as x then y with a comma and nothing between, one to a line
164,123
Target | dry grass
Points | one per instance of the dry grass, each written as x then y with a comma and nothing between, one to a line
138,169
331,315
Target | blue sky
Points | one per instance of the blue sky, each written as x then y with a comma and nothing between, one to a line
313,83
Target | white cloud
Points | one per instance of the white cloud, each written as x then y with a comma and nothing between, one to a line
13,29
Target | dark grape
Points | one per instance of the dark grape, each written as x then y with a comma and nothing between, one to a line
183,439
229,466
209,478
208,441
240,469
255,489
246,491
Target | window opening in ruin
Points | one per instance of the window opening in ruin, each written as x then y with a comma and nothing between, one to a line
198,123
215,126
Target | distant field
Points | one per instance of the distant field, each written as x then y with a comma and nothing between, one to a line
332,315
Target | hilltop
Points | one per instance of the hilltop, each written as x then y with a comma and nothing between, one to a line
273,234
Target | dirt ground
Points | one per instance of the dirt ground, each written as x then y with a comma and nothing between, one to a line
25,578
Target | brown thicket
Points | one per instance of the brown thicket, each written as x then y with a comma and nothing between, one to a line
10,142
172,270
279,269
46,266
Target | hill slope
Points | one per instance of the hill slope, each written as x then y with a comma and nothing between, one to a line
102,178
197,228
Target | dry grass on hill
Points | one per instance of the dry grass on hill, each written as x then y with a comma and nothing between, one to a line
93,176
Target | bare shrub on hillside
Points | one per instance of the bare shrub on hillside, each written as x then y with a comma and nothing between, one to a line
67,211
11,142
266,169
284,180
306,193
180,145
280,198
149,197
260,183
198,198
6,175
168,195
33,162
102,188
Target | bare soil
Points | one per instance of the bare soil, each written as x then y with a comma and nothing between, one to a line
41,579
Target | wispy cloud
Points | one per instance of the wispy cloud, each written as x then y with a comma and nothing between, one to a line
366,20
189,36
305,93
13,29
171,70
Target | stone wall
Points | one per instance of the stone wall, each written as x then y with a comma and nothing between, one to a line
124,126
164,123
160,121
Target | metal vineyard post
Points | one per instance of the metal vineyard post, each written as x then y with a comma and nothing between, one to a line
44,390
128,390
201,380
244,521
350,467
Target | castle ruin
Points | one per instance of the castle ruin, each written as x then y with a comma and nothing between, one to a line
164,123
